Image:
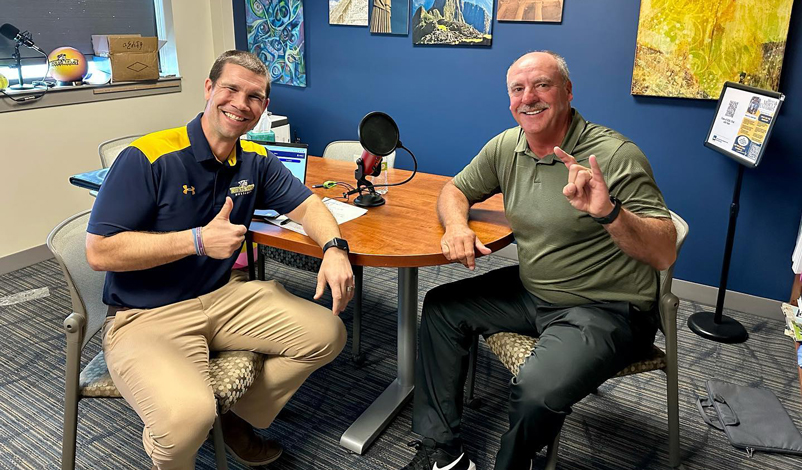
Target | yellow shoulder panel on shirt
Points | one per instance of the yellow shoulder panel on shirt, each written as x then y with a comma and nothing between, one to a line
163,142
249,146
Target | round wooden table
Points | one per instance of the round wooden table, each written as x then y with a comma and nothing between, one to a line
404,233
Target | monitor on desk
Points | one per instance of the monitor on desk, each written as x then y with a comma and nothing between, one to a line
294,156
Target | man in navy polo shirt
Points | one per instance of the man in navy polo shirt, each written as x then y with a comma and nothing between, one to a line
167,226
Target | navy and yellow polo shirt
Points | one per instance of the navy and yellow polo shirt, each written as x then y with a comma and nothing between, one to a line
171,181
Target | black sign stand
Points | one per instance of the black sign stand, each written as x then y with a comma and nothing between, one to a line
714,325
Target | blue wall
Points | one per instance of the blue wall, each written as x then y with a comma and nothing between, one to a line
449,101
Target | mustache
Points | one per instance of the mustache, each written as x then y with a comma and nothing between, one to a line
529,109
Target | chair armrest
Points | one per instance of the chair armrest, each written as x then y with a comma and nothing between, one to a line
669,305
74,328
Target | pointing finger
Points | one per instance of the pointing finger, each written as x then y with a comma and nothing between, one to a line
564,157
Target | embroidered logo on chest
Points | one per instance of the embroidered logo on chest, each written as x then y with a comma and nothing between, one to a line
242,188
189,190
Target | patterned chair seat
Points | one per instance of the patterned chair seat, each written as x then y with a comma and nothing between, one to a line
513,349
232,373
295,260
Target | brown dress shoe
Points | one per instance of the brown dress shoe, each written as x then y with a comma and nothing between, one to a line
244,445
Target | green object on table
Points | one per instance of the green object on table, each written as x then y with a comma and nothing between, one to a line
268,136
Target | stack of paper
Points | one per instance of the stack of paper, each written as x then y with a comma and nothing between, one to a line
793,321
341,211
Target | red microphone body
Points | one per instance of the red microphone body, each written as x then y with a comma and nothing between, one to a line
369,164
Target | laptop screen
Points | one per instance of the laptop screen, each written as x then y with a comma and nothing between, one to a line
293,156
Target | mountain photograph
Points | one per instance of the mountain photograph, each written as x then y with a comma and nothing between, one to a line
452,22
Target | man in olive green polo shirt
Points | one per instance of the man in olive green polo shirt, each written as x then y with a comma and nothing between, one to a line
592,232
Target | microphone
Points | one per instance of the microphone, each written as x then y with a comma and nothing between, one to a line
370,164
13,33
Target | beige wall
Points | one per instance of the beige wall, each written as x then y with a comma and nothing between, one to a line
41,148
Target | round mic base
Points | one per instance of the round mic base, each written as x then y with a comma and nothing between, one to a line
21,87
369,200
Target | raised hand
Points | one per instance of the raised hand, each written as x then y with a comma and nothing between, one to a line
221,238
458,245
586,189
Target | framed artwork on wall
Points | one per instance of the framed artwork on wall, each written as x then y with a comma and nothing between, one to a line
452,22
688,48
276,36
540,11
348,12
389,17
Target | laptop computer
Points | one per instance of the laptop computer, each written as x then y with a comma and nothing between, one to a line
294,156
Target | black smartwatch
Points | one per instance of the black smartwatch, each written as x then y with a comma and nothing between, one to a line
336,243
609,218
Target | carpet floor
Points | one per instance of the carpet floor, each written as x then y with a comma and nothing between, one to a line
623,427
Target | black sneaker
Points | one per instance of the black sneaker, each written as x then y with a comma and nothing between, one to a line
430,457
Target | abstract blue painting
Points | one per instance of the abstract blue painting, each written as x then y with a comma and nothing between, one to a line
276,36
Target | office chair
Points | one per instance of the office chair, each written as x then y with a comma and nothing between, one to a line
232,372
513,350
110,149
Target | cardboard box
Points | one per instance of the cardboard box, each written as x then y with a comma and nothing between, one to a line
100,42
133,58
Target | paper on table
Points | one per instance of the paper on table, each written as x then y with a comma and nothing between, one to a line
341,211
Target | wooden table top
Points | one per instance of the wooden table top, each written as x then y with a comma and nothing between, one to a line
404,232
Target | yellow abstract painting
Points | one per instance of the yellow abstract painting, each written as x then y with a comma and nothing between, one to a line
689,48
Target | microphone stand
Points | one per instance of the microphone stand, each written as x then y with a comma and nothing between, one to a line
372,198
25,35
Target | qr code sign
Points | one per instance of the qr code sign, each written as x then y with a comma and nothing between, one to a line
731,108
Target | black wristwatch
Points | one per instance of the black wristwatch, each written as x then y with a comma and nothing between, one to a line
609,218
337,243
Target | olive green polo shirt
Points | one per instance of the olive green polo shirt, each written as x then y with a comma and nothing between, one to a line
566,258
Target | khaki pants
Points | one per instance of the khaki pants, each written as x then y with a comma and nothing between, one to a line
159,359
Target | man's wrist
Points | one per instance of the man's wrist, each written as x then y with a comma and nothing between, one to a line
612,214
339,244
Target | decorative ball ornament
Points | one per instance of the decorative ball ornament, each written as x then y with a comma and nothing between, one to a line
67,64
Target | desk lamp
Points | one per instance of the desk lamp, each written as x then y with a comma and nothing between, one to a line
379,137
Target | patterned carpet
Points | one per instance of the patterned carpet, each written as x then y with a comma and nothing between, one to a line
624,427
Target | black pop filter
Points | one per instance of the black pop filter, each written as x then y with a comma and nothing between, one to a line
378,134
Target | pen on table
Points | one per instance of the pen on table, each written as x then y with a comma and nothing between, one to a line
285,221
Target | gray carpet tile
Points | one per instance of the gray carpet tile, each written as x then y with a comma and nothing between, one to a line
623,427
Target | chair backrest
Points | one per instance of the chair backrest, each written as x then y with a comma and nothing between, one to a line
345,150
110,149
667,275
67,242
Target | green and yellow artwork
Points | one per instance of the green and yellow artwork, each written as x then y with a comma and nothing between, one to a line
689,48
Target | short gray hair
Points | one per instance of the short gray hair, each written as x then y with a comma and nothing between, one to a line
243,59
562,66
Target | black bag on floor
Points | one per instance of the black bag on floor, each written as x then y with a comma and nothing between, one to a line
753,418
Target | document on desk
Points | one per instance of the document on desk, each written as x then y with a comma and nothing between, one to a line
341,211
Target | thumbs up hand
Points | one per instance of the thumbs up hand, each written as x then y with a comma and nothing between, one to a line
220,237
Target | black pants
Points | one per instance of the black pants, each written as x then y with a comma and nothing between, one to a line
578,349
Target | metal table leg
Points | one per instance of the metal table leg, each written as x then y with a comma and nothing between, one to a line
373,420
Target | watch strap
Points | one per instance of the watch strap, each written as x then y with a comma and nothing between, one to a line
610,218
336,243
